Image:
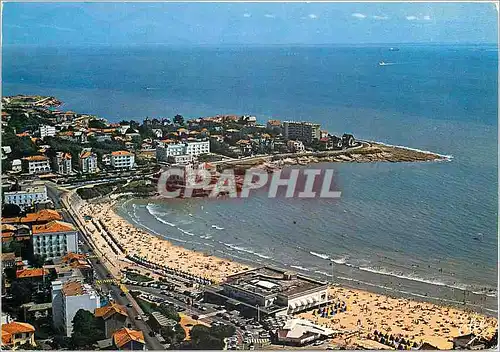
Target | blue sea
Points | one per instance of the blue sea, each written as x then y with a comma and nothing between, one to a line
422,230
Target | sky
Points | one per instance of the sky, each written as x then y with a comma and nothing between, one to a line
248,23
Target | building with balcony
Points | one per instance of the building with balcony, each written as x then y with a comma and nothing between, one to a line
62,163
192,148
47,131
54,239
36,164
15,334
27,197
302,131
87,160
67,299
122,159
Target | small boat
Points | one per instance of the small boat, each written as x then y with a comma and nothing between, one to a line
382,63
394,49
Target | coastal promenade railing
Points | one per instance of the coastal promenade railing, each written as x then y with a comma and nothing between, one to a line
170,271
73,203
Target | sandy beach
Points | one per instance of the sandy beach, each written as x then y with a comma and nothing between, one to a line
366,312
154,249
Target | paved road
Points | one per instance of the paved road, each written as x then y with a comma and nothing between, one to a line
102,273
189,310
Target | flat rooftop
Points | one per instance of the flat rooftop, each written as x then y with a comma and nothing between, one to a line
266,281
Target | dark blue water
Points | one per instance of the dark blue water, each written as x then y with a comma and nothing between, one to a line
427,229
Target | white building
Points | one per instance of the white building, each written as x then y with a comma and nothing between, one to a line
197,148
295,146
299,332
67,299
62,163
47,131
17,165
303,131
27,197
180,159
106,159
276,292
37,164
6,150
122,159
157,132
54,239
123,128
87,161
189,148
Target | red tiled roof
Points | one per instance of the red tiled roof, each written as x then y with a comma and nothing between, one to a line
124,336
14,328
72,256
72,288
36,158
85,155
44,215
25,273
53,226
120,152
109,310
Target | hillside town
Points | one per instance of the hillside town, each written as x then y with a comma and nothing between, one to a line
75,276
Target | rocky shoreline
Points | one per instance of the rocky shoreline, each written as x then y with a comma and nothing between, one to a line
365,153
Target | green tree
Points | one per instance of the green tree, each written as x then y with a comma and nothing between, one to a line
38,261
11,210
22,291
21,146
10,273
178,119
174,335
96,123
223,331
203,337
146,132
86,330
169,312
13,246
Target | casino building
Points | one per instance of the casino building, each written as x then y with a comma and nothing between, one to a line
267,291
